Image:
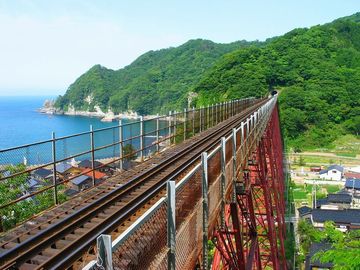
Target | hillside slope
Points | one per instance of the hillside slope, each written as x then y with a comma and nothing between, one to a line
317,71
155,82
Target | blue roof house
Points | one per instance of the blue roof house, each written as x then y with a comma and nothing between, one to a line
333,172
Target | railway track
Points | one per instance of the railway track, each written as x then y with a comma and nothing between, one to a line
59,239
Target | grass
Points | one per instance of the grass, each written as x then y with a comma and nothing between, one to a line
303,192
332,188
346,154
347,145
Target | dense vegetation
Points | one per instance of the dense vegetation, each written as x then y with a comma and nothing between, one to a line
316,70
345,247
155,82
15,187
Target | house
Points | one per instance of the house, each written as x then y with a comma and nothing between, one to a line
311,264
335,201
99,176
346,219
305,212
354,169
352,175
315,169
87,164
352,185
81,182
33,185
333,172
42,174
64,170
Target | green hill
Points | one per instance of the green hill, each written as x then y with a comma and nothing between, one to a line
316,70
155,82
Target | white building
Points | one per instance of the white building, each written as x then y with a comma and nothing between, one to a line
334,172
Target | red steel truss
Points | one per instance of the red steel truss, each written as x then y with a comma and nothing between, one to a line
254,231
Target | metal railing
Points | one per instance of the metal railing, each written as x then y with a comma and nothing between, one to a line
54,170
189,211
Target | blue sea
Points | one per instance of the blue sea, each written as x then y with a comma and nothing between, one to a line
21,124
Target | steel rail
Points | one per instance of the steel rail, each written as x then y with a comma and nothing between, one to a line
21,253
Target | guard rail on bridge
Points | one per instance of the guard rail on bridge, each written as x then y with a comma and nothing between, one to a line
47,172
233,197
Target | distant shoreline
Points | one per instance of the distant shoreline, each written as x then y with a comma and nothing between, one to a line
48,108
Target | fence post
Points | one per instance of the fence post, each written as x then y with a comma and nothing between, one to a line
193,121
208,117
92,153
171,225
223,180
185,119
247,136
104,257
169,128
200,118
216,113
212,115
121,145
141,138
222,112
234,165
242,140
56,201
175,120
205,250
226,110
157,133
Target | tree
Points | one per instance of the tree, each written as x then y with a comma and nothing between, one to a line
129,152
16,187
345,251
345,247
302,161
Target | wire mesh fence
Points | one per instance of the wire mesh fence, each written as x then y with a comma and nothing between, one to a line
46,173
192,226
150,236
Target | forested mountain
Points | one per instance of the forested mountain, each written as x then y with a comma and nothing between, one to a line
316,70
155,82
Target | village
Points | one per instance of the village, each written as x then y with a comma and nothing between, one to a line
322,193
76,176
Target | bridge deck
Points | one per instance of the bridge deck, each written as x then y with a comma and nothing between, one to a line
65,235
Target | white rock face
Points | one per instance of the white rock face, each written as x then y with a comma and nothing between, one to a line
89,99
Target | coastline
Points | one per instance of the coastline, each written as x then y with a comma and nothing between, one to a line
48,108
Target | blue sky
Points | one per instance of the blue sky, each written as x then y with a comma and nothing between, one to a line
45,45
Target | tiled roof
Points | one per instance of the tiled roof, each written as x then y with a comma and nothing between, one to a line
98,175
32,182
63,167
42,172
346,216
304,210
80,179
314,248
339,198
87,164
352,183
350,175
321,202
332,167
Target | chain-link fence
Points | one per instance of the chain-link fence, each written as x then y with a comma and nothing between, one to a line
36,176
199,200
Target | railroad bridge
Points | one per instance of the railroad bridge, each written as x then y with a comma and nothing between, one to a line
214,200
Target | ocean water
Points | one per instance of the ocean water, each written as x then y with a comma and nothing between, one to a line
21,124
